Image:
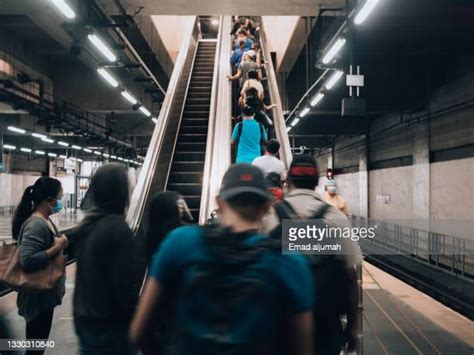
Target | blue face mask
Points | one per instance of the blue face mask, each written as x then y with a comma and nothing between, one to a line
59,206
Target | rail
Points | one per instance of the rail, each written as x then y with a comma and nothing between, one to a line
278,116
160,153
218,154
448,253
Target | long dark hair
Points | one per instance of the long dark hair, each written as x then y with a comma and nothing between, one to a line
45,188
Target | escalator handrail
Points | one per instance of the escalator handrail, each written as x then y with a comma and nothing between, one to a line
218,153
141,191
278,116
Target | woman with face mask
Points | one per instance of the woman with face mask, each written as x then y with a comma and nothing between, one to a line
333,198
39,243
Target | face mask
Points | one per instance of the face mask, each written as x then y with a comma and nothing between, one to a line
332,189
59,206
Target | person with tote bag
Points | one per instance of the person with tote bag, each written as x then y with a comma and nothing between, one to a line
39,245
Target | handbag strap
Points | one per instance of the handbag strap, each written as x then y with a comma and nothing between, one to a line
51,226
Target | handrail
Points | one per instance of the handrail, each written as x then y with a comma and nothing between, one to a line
159,155
218,154
278,116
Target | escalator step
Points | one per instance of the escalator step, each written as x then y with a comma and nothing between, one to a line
186,189
193,147
185,177
186,156
196,114
194,202
192,138
188,166
193,129
191,121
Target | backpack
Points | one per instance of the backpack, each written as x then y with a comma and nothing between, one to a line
236,283
239,134
330,275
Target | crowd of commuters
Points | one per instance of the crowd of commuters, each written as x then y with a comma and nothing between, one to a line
179,288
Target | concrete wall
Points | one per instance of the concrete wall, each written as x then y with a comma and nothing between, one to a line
12,187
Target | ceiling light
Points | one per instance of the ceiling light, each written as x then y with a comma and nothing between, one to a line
336,47
155,120
108,77
9,147
65,8
47,140
16,130
63,157
76,147
288,129
214,22
106,155
365,11
40,152
79,160
304,112
52,155
129,97
38,135
25,150
120,158
295,122
333,79
64,144
316,99
102,47
87,150
97,153
144,110
113,157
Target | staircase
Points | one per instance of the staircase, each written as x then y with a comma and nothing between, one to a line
188,160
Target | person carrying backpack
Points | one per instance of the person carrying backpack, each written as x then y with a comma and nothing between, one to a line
236,293
334,276
249,137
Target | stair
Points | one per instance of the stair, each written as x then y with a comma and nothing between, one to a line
187,167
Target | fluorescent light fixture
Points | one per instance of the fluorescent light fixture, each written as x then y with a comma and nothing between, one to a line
113,157
63,157
40,152
108,77
144,110
120,158
214,22
97,153
336,47
333,79
47,140
76,147
102,47
304,112
365,11
9,147
155,120
38,135
65,8
317,98
64,144
295,122
52,155
288,129
87,150
25,150
129,97
106,155
79,160
16,130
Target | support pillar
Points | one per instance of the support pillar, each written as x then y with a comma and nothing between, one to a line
364,180
421,171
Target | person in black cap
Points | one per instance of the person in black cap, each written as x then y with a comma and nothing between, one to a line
305,203
236,290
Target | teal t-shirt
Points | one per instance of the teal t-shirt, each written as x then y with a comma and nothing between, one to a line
249,143
289,282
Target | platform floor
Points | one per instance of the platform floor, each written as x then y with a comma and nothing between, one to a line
398,319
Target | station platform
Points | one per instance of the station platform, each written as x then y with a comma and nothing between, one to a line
397,319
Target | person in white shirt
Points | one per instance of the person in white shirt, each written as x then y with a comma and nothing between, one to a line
269,163
252,82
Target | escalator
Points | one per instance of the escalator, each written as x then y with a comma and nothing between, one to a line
187,166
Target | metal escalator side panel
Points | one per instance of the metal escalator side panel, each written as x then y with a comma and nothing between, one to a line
218,152
278,117
154,172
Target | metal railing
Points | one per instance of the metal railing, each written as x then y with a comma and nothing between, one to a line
155,170
218,154
449,253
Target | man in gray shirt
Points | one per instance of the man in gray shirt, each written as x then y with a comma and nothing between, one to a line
247,65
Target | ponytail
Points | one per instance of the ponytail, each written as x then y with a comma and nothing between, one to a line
43,189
